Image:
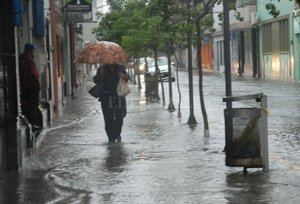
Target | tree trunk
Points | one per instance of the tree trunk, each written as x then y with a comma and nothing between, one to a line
199,57
178,87
134,74
146,65
138,74
171,107
157,71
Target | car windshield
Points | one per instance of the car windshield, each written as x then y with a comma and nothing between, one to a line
160,61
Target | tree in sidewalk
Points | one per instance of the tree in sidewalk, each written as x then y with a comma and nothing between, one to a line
133,42
161,10
203,22
151,29
165,9
190,11
120,25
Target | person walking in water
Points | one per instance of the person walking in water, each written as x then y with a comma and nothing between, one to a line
113,106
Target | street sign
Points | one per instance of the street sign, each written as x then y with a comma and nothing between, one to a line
79,5
78,10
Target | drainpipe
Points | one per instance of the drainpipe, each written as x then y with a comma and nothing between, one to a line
54,53
67,57
293,73
72,54
19,117
30,20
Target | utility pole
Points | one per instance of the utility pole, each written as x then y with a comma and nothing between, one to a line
192,119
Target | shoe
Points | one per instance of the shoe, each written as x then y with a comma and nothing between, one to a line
111,140
119,139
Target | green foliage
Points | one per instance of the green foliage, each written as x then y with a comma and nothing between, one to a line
141,26
272,9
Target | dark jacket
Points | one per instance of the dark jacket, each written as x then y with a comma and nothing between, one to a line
109,80
29,75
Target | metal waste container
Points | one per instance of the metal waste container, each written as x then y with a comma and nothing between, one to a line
246,131
151,81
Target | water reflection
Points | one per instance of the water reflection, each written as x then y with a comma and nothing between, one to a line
250,188
116,157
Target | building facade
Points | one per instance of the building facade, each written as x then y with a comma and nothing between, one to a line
243,40
8,87
279,41
44,23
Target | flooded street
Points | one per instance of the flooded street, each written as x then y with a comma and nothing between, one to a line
161,159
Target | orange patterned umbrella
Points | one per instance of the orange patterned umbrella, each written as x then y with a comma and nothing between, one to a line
102,52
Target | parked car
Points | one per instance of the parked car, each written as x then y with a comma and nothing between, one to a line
162,65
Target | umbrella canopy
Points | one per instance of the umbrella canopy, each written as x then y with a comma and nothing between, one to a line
102,52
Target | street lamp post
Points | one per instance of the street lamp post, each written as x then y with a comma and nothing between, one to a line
227,51
171,107
192,119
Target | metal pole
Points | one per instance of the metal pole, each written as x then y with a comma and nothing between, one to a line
19,109
192,119
228,120
227,52
171,107
54,54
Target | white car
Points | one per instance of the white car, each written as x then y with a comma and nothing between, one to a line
142,65
162,65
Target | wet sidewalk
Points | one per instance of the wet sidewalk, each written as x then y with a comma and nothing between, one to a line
161,160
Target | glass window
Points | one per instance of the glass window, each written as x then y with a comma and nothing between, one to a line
267,38
221,52
248,47
284,35
276,37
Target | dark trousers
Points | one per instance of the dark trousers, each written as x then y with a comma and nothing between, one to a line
114,111
30,106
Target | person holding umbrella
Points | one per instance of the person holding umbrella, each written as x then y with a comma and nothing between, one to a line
111,78
113,106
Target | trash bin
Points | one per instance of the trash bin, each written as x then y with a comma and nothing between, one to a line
247,133
151,91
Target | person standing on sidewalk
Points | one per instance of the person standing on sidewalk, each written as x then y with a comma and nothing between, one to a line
30,86
113,106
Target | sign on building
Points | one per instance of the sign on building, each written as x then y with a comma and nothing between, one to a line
79,5
78,10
